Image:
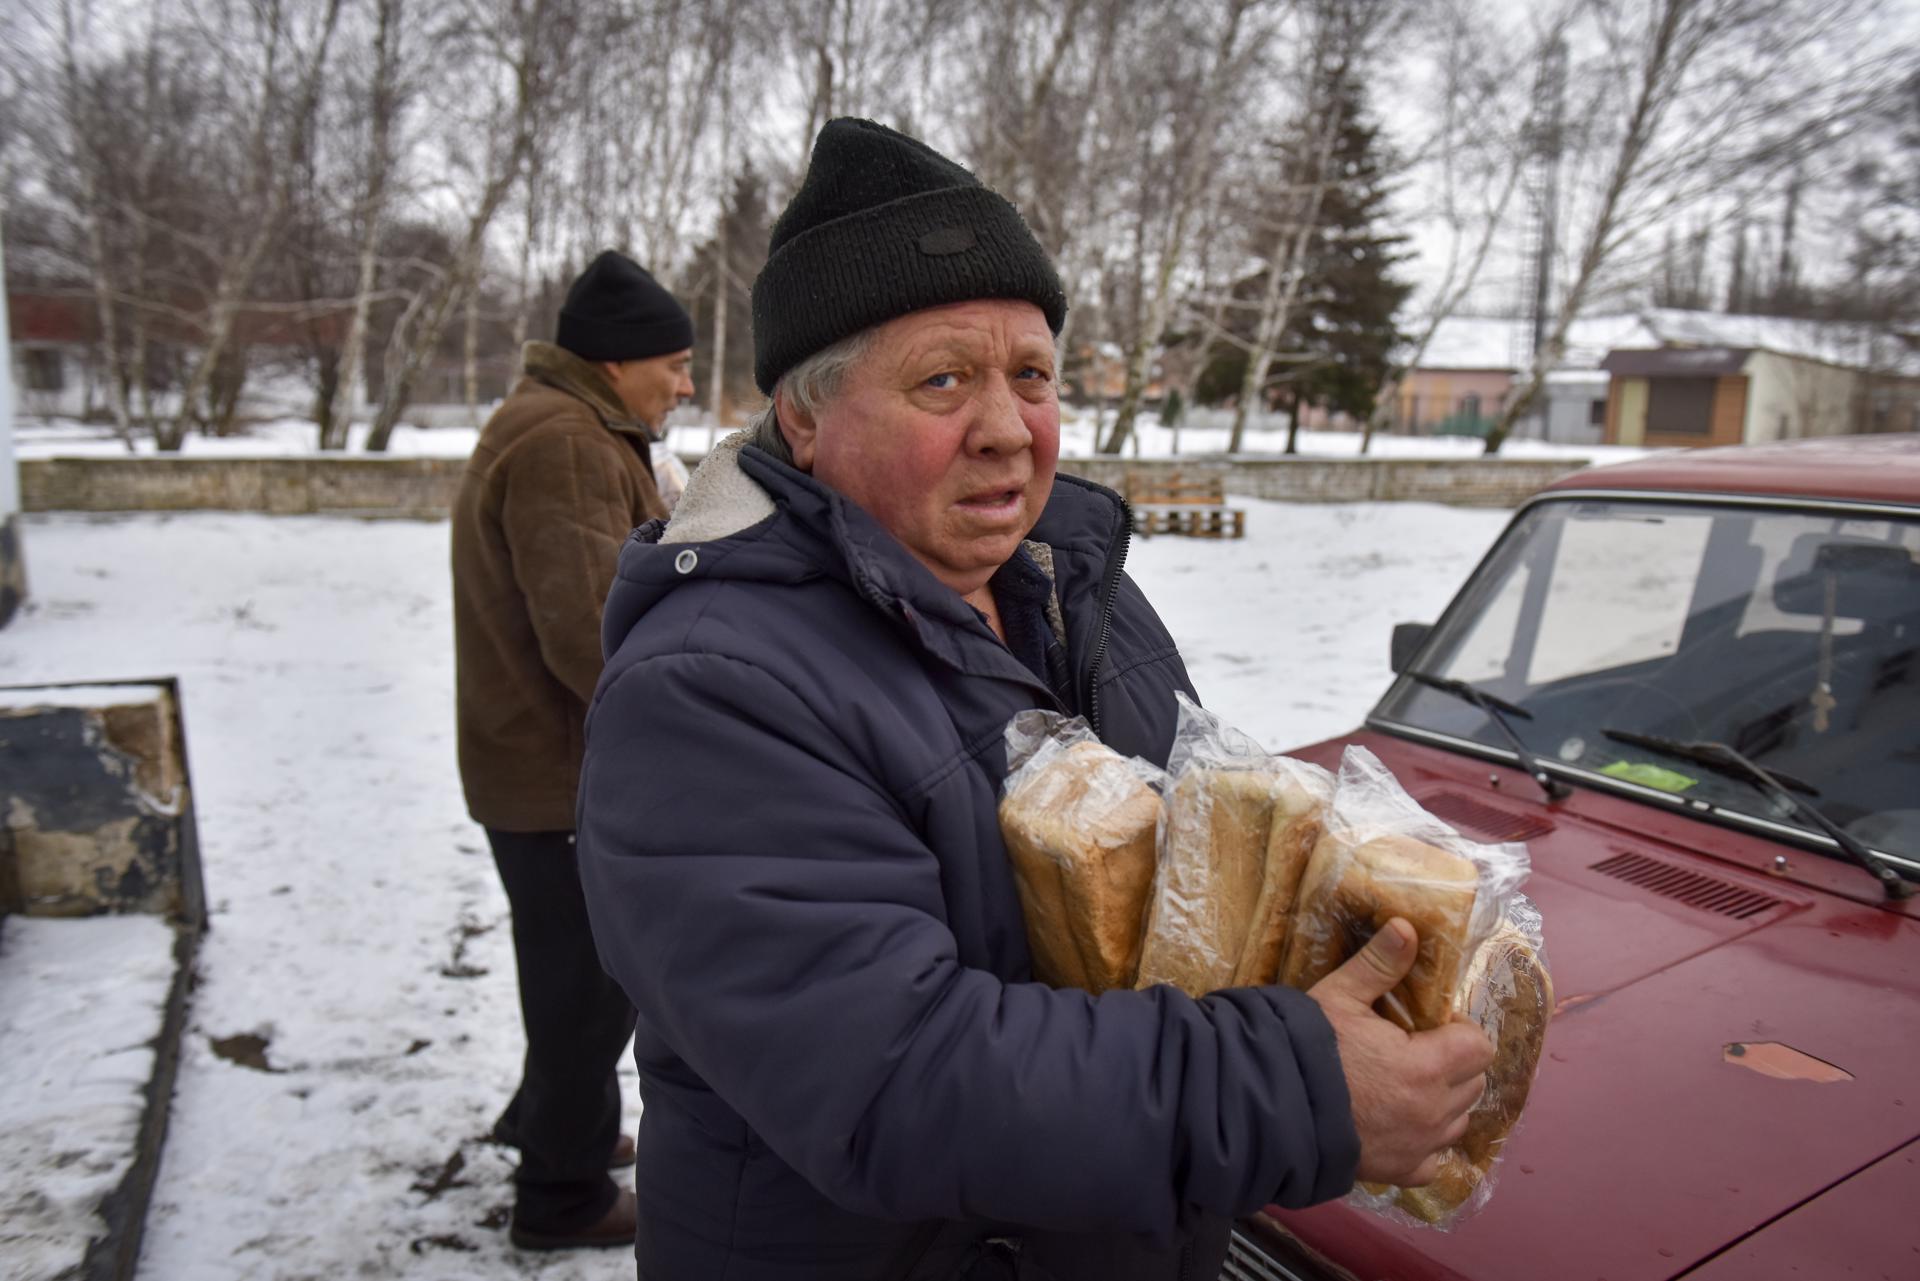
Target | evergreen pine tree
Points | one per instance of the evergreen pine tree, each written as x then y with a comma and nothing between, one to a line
1351,295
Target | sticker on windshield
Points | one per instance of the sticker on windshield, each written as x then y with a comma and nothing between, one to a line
1647,775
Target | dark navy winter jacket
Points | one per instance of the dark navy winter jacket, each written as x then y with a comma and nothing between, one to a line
789,844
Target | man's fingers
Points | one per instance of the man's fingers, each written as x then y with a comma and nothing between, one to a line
1426,1172
1468,1053
1377,968
1466,1094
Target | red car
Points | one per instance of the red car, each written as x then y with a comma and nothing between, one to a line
1691,684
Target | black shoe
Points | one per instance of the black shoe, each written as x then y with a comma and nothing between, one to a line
622,1157
615,1227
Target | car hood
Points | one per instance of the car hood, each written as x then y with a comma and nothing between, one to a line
1727,1046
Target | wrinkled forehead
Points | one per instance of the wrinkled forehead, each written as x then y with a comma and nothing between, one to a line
985,329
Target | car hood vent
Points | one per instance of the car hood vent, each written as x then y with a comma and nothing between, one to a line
1489,822
1707,893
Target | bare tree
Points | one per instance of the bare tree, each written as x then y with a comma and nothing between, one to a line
1686,101
281,117
519,48
1475,156
1163,226
1335,46
384,101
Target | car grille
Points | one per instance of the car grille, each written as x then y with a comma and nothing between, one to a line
1709,894
1246,1262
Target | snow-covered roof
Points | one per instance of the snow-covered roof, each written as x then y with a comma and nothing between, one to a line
1836,342
1502,342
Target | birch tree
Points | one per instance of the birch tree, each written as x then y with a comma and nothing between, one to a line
281,94
384,98
1682,103
1472,159
1336,45
1189,141
518,50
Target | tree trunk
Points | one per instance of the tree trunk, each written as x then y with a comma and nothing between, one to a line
339,420
722,269
1655,93
1186,194
470,356
436,306
237,273
1286,270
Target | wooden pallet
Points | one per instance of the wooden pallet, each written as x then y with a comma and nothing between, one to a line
1191,505
1190,521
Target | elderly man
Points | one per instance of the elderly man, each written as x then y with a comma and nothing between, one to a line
560,477
788,814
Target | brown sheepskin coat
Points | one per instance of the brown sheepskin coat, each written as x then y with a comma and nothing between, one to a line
559,479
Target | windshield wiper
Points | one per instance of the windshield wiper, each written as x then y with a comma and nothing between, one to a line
1497,710
1725,760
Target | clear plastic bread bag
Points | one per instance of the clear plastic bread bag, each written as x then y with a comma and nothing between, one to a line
1383,856
1080,823
1239,824
1508,993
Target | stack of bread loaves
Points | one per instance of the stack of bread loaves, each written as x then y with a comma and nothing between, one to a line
1259,869
1240,825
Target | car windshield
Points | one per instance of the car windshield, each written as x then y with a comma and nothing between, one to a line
1792,636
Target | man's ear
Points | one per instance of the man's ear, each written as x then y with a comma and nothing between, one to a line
798,427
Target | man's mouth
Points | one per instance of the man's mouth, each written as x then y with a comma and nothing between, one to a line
993,502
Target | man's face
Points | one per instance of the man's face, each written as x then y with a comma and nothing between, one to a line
947,430
650,388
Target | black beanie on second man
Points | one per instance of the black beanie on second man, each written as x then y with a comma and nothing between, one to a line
884,225
618,311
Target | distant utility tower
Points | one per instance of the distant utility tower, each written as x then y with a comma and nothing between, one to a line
1545,141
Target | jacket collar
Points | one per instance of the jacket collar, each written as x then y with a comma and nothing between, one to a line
563,371
739,487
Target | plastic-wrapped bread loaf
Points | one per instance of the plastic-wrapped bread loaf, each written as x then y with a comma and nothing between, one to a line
1213,860
1297,825
1080,826
1508,992
1239,825
1351,890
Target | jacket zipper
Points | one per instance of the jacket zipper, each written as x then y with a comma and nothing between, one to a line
1109,588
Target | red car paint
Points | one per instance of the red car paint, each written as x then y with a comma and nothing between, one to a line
1648,1150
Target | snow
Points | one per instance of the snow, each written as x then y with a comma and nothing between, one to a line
94,696
357,925
1496,342
690,435
1837,343
80,1006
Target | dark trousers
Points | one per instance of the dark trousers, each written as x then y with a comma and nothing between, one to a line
565,1117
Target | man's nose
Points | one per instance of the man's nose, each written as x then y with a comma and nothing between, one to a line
998,427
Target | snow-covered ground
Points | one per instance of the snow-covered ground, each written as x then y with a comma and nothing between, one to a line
690,434
357,926
80,1008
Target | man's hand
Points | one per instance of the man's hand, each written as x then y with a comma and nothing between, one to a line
1411,1092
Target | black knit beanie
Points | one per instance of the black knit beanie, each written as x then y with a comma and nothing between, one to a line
618,311
884,225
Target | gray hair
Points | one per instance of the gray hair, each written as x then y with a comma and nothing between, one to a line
809,386
814,382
